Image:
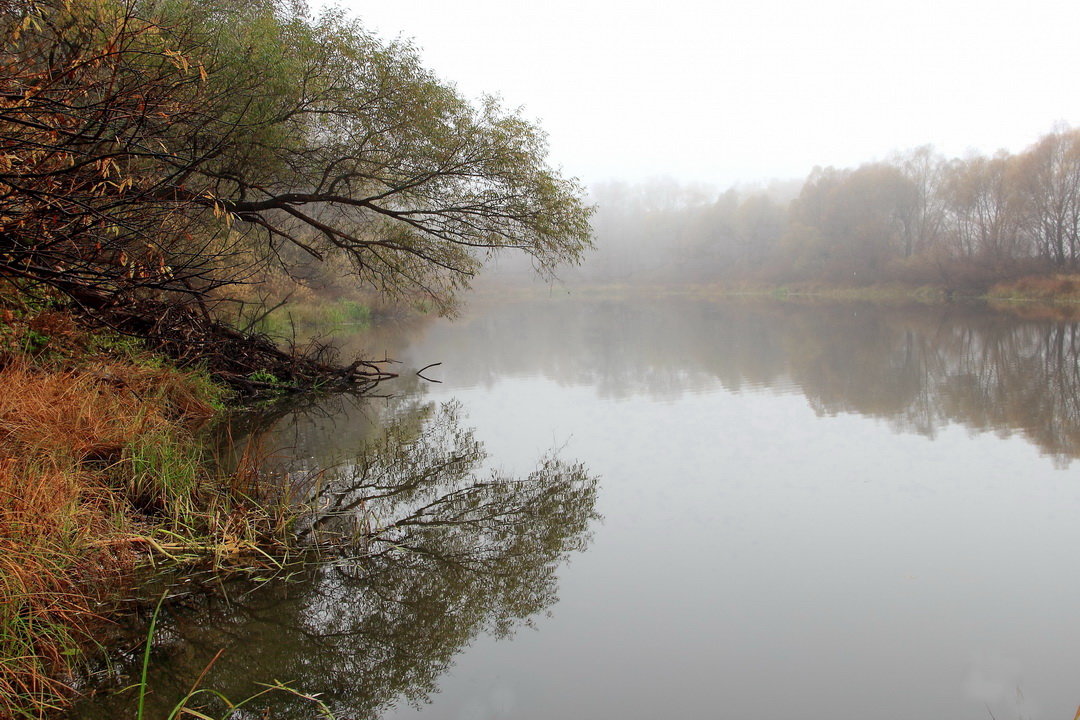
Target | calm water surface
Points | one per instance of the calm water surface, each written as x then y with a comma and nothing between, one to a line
811,512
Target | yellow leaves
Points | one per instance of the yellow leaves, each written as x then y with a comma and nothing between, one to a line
220,212
112,183
106,166
29,22
179,61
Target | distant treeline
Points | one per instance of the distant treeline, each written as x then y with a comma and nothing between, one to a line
917,218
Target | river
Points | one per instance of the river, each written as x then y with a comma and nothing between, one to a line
646,508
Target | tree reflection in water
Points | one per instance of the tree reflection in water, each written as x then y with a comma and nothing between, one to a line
919,367
441,550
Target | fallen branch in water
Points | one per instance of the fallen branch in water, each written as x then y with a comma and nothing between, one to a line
420,372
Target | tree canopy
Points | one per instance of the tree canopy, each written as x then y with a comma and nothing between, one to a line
176,146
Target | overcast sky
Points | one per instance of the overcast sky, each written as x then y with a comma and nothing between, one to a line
744,91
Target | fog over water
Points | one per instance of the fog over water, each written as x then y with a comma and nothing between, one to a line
620,499
806,510
774,415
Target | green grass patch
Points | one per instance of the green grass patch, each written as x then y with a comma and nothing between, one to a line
306,317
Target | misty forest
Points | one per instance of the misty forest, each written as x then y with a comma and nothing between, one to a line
373,362
919,218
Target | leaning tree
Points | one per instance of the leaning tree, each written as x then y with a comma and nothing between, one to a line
165,149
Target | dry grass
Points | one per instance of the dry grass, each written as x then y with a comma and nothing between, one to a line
1054,288
78,480
46,535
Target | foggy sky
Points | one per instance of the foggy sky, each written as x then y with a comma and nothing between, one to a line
738,91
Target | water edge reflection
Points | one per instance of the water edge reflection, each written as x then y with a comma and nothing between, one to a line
441,550
920,367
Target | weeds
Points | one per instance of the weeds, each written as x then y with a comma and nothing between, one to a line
299,317
101,468
1044,288
183,706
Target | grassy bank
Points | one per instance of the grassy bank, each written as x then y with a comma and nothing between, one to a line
1059,289
302,318
102,469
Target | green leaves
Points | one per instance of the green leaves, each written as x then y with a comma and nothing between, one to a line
370,155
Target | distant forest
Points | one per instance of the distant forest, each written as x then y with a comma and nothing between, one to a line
917,218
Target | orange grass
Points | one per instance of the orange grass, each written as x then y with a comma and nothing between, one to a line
1053,288
72,487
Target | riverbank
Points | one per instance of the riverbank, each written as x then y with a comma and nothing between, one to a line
1058,290
103,469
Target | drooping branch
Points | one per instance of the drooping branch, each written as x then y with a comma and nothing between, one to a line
147,150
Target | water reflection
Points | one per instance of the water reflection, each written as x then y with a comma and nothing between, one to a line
918,367
440,549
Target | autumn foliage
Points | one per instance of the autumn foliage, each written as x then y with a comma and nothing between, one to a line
166,149
92,95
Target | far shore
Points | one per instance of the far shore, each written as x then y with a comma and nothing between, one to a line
1052,290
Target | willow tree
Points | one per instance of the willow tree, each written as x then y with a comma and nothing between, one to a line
172,147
